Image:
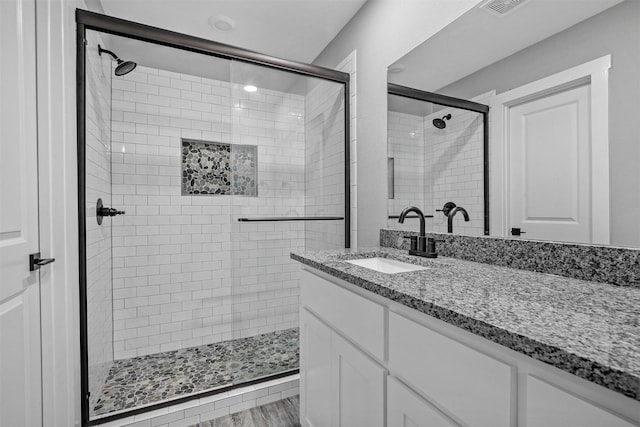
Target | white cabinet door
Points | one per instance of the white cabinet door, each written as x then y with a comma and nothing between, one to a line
20,385
548,406
358,387
339,385
315,371
406,409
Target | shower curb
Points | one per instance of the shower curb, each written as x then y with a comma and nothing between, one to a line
206,408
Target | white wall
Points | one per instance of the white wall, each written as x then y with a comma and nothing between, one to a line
382,31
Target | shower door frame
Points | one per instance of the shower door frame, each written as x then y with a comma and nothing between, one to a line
86,20
462,104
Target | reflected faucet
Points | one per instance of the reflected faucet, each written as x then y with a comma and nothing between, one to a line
422,239
453,213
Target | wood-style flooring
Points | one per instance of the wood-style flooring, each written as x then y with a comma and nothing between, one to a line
283,413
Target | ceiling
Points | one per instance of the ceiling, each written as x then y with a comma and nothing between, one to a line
297,30
478,39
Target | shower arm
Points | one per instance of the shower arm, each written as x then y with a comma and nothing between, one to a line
113,55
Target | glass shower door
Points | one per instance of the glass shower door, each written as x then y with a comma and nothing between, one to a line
287,176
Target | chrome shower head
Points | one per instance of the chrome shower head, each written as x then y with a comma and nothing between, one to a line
440,123
123,67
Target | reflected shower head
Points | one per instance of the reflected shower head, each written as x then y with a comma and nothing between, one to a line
123,67
440,123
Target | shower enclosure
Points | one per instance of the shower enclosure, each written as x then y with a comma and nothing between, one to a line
210,165
438,156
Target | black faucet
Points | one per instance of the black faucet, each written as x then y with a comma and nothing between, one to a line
453,213
421,248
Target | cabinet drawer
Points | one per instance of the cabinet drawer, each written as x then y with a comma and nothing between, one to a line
473,387
360,320
549,406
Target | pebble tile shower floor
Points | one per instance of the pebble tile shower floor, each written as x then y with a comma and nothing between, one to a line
144,380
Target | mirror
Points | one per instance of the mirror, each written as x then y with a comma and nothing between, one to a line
562,183
436,160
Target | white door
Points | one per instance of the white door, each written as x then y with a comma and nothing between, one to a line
20,372
550,167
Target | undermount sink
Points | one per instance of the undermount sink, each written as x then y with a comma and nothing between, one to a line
386,265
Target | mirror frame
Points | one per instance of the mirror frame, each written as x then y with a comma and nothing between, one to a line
463,104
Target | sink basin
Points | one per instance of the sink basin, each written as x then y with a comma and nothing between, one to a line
386,265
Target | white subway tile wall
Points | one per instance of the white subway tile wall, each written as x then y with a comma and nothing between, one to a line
186,272
454,169
324,195
98,184
406,146
264,291
434,166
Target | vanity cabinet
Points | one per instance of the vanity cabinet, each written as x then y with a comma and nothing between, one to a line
363,356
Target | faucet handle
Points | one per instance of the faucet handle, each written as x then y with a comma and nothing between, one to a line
446,208
414,242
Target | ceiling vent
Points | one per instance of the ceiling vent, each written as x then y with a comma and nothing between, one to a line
502,7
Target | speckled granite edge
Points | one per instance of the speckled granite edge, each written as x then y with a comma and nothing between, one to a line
605,264
614,379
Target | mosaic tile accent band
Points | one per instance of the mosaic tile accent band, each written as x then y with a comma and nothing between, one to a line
144,380
607,264
210,168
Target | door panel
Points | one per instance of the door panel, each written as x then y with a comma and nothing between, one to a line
406,409
315,368
358,387
20,395
549,165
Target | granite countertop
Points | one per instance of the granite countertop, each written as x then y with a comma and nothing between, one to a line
588,329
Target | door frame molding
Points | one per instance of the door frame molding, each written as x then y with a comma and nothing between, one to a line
594,73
